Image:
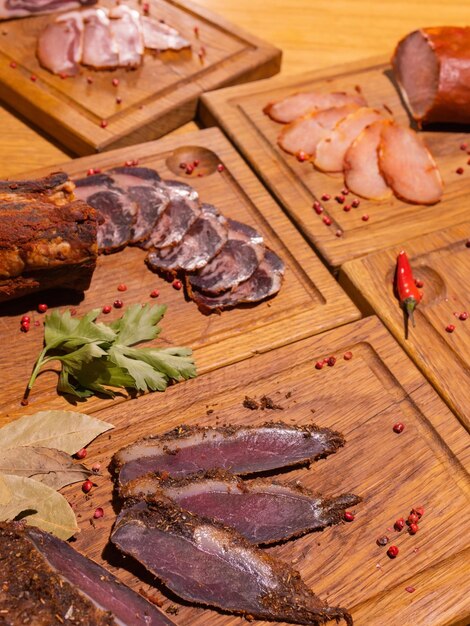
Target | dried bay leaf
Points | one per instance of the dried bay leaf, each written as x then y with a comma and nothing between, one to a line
39,505
5,491
68,431
51,467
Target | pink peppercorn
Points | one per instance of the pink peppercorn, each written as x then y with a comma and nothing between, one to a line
365,218
98,513
118,304
106,309
450,328
42,308
327,220
220,167
318,365
155,293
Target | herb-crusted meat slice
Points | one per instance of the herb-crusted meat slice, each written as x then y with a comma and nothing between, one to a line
265,281
207,563
201,243
239,449
50,581
261,510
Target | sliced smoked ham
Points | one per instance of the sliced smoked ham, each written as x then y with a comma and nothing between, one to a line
60,45
24,8
292,107
100,49
303,134
161,36
432,69
362,175
330,151
127,32
408,166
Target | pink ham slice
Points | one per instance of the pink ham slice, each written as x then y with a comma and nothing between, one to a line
361,165
60,45
100,49
299,104
304,134
330,151
126,29
23,8
408,166
160,36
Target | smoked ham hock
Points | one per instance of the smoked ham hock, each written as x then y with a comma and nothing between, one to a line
47,239
432,69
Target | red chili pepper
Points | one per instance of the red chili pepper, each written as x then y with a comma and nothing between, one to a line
409,294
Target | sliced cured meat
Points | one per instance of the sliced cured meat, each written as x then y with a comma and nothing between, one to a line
262,511
117,211
60,45
181,212
303,134
100,49
265,281
126,29
23,8
55,188
330,152
160,36
408,166
432,69
201,243
361,165
292,107
205,562
235,263
239,449
49,581
146,190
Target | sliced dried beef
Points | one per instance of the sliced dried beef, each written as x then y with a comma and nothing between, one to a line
201,243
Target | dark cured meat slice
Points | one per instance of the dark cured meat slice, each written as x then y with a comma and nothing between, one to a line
55,188
49,581
147,191
263,283
201,243
235,263
205,562
239,449
118,212
432,69
175,221
262,511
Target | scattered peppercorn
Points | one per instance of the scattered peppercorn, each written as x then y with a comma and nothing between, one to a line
347,208
87,486
37,323
122,287
33,77
318,365
410,589
419,283
413,529
325,197
327,220
177,284
345,191
463,316
459,170
118,100
365,218
115,82
331,361
196,31
98,513
419,511
13,65
398,428
220,167
189,169
348,516
118,304
301,156
24,327
317,207
89,80
81,454
382,541
26,319
96,467
392,552
106,309
463,146
355,203
412,518
42,308
339,233
450,328
399,524
155,293
340,199
467,243
347,356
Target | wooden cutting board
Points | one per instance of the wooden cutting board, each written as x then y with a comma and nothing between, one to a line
297,185
310,299
426,465
156,98
442,261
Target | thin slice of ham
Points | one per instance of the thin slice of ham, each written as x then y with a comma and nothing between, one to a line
127,31
100,49
361,165
303,135
330,151
60,45
24,8
160,36
292,107
408,166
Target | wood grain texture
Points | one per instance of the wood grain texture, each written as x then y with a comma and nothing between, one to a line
156,98
297,185
425,466
309,302
442,261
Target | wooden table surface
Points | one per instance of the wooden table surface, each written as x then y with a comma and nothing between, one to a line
312,34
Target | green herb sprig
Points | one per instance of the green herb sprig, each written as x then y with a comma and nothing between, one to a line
96,357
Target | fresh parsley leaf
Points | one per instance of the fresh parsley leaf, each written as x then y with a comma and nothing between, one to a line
64,331
138,324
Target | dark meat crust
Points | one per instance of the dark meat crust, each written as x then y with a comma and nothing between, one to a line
32,588
45,240
451,46
292,600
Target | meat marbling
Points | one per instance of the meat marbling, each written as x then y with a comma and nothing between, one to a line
205,562
262,511
239,449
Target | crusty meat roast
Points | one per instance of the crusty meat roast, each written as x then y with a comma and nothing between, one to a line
47,239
